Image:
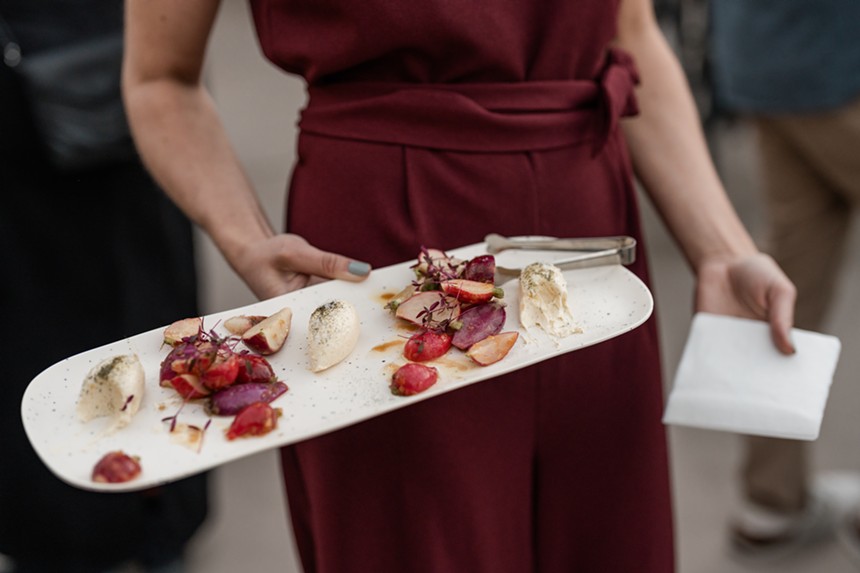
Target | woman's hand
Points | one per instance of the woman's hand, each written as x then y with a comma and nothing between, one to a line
751,286
284,263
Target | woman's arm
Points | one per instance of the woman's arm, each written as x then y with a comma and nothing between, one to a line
183,143
671,160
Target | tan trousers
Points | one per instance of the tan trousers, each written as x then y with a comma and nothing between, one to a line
811,174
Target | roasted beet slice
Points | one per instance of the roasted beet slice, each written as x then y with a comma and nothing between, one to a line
477,323
234,399
481,269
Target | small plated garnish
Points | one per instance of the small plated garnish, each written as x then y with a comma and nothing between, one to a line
116,467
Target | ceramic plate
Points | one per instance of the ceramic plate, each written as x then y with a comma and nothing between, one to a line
606,302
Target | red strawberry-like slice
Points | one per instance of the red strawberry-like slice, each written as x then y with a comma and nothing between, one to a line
427,345
413,378
116,467
254,368
256,419
223,370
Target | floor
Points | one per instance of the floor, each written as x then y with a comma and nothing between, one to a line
249,526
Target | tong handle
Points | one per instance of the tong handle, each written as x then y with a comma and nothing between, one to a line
624,246
617,255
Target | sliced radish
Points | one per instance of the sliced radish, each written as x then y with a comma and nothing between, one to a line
471,292
239,325
493,348
182,329
434,303
270,334
188,386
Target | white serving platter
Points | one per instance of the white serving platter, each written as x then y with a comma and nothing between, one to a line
606,302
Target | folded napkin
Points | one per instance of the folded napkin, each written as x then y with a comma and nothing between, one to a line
732,378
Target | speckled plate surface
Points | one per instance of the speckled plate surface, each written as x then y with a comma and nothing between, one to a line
606,302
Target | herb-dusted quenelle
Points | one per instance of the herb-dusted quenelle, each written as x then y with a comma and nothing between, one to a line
543,300
114,387
333,331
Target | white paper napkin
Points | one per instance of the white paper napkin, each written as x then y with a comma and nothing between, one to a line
732,378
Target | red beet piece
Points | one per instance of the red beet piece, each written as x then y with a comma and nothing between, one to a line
479,322
234,399
481,269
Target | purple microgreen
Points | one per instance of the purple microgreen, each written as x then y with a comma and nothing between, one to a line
175,417
203,434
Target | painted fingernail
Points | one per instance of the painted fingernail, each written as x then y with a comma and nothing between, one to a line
358,269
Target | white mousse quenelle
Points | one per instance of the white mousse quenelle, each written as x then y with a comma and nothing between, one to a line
333,331
543,300
114,387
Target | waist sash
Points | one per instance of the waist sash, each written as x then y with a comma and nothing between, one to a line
478,117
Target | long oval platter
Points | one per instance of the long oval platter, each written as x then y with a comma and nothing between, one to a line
606,302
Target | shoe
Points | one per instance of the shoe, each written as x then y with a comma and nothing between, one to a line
848,536
760,534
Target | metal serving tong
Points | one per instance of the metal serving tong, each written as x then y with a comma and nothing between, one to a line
591,252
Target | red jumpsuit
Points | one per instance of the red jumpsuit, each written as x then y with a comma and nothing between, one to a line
433,123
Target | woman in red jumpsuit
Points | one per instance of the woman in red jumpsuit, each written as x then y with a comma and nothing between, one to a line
433,123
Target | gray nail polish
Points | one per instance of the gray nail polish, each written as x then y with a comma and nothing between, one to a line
358,269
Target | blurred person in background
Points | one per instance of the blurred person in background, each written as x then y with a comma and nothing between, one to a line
792,67
92,252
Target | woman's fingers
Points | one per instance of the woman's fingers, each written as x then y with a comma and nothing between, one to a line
781,299
310,260
751,287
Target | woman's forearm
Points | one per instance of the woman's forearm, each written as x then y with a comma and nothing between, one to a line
669,152
185,147
176,126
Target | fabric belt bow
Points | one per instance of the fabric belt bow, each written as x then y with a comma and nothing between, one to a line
478,117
